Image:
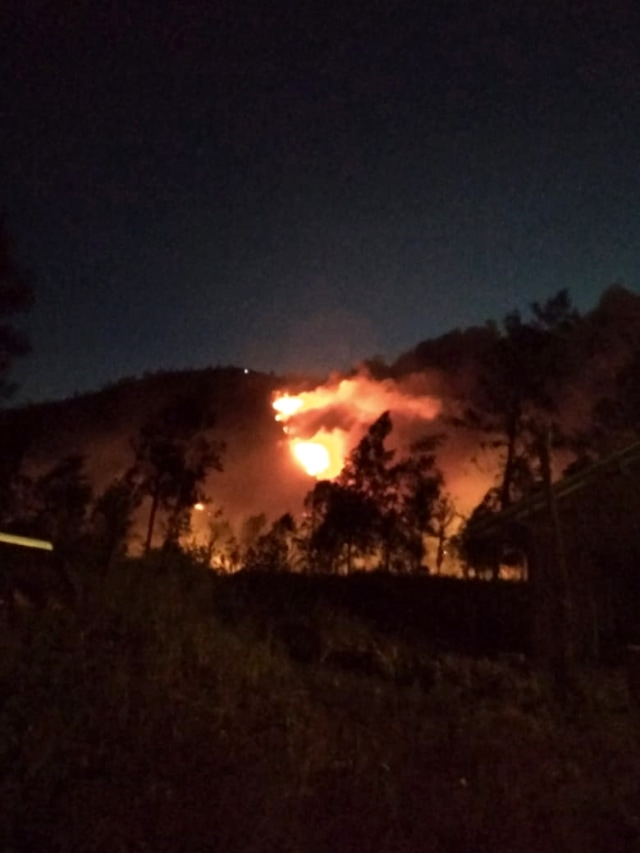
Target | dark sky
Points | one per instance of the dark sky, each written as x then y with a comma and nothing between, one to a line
197,183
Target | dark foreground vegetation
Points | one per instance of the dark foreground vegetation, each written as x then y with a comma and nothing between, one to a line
173,710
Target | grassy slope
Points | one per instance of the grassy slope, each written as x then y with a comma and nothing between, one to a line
146,722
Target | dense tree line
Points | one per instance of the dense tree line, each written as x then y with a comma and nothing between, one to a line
376,513
520,406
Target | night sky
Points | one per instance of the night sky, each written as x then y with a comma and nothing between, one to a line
196,183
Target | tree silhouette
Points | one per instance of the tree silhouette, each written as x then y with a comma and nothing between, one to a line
59,501
616,417
417,490
444,514
521,378
375,506
112,518
174,452
273,551
342,525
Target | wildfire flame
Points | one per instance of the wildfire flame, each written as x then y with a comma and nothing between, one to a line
313,456
286,406
324,424
322,454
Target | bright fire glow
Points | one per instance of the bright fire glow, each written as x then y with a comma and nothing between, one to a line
313,457
286,406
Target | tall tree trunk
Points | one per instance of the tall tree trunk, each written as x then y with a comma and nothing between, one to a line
513,421
442,538
155,500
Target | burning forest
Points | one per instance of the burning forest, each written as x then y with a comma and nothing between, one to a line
323,425
233,464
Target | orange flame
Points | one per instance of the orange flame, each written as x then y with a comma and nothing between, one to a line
313,456
286,406
336,415
321,454
323,425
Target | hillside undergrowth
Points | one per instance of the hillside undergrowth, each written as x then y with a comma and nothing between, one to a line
148,721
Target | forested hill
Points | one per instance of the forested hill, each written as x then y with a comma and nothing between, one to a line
599,384
101,426
238,399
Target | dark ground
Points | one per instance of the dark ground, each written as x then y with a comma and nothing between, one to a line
177,712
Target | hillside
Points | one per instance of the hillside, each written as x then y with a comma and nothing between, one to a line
260,475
